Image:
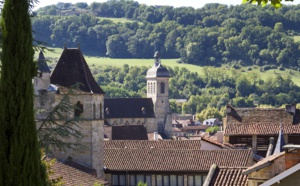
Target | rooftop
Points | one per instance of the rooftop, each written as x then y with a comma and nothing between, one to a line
128,108
71,69
173,160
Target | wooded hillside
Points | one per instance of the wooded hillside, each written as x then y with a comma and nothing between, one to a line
212,35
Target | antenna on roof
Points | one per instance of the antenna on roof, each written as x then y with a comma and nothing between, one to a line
78,45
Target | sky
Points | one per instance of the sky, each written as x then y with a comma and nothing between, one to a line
175,3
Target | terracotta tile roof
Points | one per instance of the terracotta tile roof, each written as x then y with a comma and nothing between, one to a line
129,132
72,68
71,176
264,162
145,144
129,108
215,142
261,121
195,127
173,160
229,176
260,129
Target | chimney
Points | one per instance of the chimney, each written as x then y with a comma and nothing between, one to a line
107,110
291,109
155,136
229,109
292,155
271,147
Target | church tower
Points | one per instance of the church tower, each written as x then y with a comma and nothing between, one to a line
42,80
158,89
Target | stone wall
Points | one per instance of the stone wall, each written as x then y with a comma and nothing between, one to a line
268,172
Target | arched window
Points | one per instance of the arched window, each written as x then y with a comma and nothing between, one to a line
94,111
100,111
162,88
78,109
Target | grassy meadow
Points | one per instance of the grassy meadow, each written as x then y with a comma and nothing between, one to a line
93,61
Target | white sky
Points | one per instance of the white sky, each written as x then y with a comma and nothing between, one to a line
175,3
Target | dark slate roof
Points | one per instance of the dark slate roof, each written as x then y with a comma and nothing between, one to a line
158,71
42,64
128,108
129,132
229,176
173,160
72,68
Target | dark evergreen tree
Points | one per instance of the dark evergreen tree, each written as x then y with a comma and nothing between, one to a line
19,150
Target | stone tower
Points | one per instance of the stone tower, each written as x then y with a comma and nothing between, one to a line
42,80
72,69
158,89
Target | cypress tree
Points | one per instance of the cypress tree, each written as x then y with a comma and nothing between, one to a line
19,149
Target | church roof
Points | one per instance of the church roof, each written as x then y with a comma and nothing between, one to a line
130,132
72,68
42,64
157,70
128,108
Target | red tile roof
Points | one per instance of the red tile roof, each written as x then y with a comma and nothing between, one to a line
229,176
215,142
260,129
173,160
71,176
145,144
261,121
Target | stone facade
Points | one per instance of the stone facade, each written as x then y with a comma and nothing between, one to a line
88,110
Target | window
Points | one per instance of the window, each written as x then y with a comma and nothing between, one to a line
162,88
169,180
94,111
196,180
118,180
135,179
78,109
100,111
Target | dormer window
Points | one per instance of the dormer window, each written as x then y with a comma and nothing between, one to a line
78,109
107,110
162,88
143,110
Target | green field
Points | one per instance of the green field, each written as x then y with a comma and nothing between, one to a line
95,61
296,38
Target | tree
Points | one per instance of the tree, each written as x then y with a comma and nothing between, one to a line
275,3
19,149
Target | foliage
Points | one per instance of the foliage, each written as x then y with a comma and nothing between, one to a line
19,149
209,113
212,129
213,35
142,184
275,3
58,125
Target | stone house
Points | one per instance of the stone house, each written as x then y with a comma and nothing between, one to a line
253,127
168,163
278,169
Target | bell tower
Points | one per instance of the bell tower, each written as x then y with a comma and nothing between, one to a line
158,89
